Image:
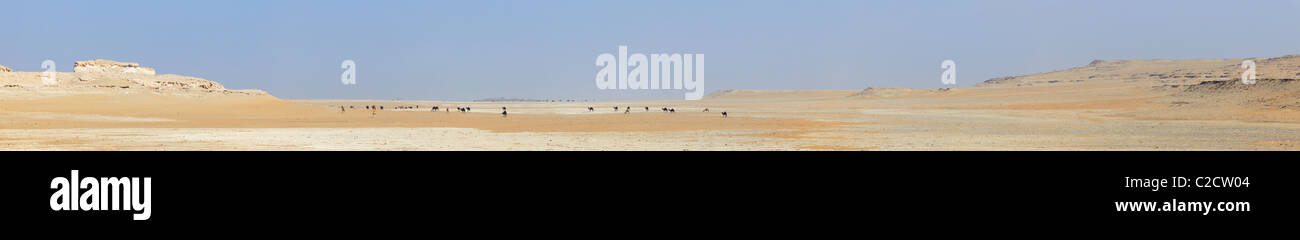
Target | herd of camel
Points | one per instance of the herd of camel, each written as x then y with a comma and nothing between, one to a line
628,110
504,113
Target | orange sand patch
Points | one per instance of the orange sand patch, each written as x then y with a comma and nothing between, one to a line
161,111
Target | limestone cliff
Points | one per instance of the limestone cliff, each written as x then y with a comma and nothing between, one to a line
106,74
107,66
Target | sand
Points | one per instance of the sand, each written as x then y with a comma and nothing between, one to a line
1107,105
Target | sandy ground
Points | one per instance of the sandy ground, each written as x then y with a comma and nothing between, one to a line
1026,113
973,119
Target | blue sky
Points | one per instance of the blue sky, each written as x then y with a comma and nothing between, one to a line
472,49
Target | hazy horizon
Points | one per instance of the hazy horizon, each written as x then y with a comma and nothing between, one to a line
468,50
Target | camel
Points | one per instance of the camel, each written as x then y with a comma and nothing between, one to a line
591,109
706,110
724,114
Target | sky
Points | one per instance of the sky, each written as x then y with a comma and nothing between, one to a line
477,49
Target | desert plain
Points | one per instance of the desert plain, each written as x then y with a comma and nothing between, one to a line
1105,105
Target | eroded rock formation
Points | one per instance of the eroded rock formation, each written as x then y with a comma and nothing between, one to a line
107,74
107,66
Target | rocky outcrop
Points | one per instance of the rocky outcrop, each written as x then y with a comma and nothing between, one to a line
97,75
1159,72
1001,80
112,74
5,69
176,82
896,92
107,66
